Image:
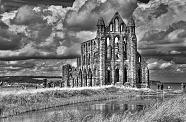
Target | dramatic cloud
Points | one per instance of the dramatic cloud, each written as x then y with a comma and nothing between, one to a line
44,31
161,27
86,17
26,15
155,64
54,32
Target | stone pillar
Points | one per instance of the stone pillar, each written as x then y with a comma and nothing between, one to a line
113,60
80,81
102,60
144,74
147,76
91,60
82,51
98,78
85,53
66,82
84,78
121,50
88,78
132,51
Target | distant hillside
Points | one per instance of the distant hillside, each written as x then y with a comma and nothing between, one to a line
20,79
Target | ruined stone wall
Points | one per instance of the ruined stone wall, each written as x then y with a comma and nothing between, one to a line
117,61
132,58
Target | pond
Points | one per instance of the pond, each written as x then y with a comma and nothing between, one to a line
84,110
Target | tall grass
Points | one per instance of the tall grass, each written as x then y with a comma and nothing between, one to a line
31,100
173,110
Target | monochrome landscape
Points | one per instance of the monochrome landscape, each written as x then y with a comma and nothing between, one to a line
92,60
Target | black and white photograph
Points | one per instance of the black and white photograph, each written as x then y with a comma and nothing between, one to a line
92,60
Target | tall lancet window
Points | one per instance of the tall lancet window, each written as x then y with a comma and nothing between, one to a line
116,48
122,27
116,25
139,59
111,27
108,48
108,41
124,47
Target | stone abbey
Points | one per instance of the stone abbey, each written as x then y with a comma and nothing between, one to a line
110,58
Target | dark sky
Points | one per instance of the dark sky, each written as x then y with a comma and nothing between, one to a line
10,3
54,32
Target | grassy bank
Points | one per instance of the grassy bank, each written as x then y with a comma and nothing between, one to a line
16,102
173,110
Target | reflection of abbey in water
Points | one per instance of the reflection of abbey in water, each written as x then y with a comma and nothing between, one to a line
110,58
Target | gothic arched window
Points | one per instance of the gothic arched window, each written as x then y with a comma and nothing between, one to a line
84,47
116,41
124,46
111,27
116,24
108,48
122,27
108,41
139,59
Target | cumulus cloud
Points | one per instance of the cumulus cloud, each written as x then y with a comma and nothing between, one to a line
53,32
86,17
9,40
161,26
26,15
159,64
45,30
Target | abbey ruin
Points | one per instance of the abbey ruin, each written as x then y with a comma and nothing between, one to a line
110,58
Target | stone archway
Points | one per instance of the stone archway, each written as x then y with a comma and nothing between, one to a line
108,48
125,75
116,47
116,75
89,78
139,78
108,77
84,77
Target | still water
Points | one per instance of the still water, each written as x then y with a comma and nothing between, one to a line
102,108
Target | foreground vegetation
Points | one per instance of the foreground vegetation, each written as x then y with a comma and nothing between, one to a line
173,110
16,102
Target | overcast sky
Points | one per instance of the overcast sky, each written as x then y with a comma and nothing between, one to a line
53,32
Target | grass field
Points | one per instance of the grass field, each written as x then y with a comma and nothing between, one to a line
173,110
19,101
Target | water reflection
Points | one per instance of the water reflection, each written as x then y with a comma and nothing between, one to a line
87,110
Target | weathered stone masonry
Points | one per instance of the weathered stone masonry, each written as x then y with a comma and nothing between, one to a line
110,58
